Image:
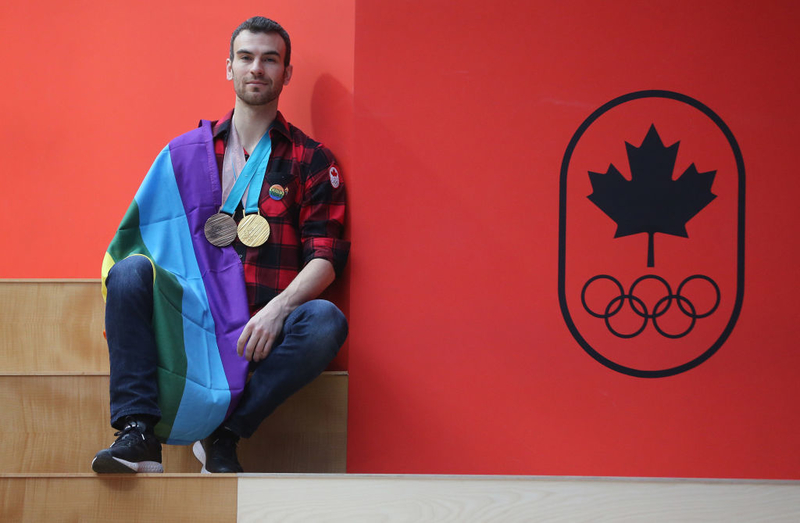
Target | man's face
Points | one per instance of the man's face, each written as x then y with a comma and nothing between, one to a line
257,68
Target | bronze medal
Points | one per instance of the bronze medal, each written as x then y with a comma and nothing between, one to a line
253,230
220,229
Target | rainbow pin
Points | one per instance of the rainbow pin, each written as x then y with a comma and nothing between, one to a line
276,192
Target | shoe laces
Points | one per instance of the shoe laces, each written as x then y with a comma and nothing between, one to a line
225,442
129,436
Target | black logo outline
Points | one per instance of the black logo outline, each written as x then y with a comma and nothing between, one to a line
562,224
662,306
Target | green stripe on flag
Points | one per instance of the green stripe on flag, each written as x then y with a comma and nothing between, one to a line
167,321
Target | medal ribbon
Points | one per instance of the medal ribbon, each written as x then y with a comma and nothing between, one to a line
251,176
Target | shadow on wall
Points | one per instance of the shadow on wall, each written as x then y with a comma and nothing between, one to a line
410,293
332,117
332,124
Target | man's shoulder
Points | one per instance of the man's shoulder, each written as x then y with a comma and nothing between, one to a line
297,136
313,153
201,134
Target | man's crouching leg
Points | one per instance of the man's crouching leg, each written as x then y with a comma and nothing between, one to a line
132,360
312,336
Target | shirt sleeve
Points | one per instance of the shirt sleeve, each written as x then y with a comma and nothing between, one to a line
322,212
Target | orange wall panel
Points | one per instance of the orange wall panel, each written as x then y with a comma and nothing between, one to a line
94,90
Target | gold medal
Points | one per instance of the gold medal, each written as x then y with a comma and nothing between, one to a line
220,229
253,230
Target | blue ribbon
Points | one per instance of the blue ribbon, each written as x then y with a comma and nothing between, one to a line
251,176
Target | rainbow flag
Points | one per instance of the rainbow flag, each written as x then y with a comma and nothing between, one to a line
200,300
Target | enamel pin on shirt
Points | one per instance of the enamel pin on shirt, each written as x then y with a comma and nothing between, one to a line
277,192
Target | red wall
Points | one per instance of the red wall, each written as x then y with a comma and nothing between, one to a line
451,120
461,360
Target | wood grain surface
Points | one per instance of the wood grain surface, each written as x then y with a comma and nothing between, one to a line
52,326
145,498
56,423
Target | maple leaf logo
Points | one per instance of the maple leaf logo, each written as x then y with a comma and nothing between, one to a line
651,201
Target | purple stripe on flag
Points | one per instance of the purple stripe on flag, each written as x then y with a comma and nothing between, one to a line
196,173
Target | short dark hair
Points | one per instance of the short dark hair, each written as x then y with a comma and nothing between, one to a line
259,24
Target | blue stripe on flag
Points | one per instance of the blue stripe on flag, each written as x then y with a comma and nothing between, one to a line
166,234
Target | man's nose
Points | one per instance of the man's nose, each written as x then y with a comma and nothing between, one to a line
257,68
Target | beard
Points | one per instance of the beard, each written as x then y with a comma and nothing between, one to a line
263,95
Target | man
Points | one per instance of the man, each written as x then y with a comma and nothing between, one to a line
214,272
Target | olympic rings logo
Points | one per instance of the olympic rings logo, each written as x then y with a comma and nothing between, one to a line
662,306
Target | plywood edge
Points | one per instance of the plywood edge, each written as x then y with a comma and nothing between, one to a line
63,475
531,478
436,477
52,373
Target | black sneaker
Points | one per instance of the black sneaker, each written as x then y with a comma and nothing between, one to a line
217,452
136,450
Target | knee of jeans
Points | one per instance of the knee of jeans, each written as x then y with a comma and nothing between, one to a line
131,271
329,322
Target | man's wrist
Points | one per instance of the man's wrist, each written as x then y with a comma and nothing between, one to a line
281,305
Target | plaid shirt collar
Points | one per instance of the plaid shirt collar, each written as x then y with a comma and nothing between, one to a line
222,126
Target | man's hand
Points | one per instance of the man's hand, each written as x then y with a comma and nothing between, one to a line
261,331
264,328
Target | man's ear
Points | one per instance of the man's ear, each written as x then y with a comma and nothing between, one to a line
228,69
287,74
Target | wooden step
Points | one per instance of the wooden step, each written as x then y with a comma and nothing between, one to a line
52,326
56,423
335,498
88,498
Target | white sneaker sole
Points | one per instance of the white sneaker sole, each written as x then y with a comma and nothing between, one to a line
200,453
121,466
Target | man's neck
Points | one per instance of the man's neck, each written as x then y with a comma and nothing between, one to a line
252,122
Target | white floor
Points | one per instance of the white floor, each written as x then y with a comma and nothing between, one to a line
415,499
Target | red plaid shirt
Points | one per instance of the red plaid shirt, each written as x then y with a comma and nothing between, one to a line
306,223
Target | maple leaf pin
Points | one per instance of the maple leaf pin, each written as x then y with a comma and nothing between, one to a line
651,201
